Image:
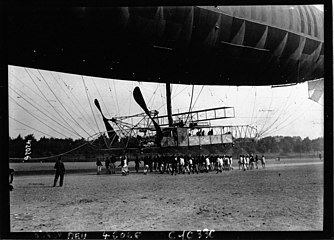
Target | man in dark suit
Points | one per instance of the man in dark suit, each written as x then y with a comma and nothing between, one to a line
60,172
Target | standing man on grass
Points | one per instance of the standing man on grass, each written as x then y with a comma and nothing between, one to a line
60,172
99,166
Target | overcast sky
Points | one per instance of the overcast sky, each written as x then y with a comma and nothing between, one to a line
70,111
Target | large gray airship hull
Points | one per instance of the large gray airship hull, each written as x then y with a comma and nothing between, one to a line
237,45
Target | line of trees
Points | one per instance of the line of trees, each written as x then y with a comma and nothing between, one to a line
45,147
281,145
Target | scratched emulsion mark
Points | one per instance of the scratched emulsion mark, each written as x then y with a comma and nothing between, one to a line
22,217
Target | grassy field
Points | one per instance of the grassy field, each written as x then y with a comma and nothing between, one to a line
282,197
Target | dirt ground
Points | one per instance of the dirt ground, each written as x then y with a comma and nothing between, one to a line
282,197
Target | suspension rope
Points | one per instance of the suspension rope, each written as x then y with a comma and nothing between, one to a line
288,109
130,104
75,121
86,90
299,107
271,100
100,96
39,109
35,116
30,127
191,100
25,85
164,104
279,113
116,98
54,156
251,120
112,97
197,98
52,105
284,126
87,122
86,114
153,95
49,115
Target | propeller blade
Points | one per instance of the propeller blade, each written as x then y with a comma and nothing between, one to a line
97,104
138,96
111,132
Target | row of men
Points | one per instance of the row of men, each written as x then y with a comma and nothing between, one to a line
186,164
181,164
250,162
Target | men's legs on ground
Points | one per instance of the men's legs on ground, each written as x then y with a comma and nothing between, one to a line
61,180
56,179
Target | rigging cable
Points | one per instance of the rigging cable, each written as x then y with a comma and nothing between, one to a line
86,90
39,109
191,100
280,112
100,96
116,98
288,110
164,104
130,104
197,97
51,104
251,120
62,104
30,127
290,116
113,98
54,156
37,94
271,100
87,123
51,116
153,95
35,116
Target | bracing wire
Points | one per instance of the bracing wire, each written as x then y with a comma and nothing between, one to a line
153,95
271,100
284,126
164,104
288,109
75,121
299,107
87,122
112,98
197,98
30,127
39,109
86,114
54,156
117,105
38,119
279,113
251,121
100,97
25,85
191,100
86,90
36,94
45,98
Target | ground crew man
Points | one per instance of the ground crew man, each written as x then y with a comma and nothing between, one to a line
99,166
60,172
